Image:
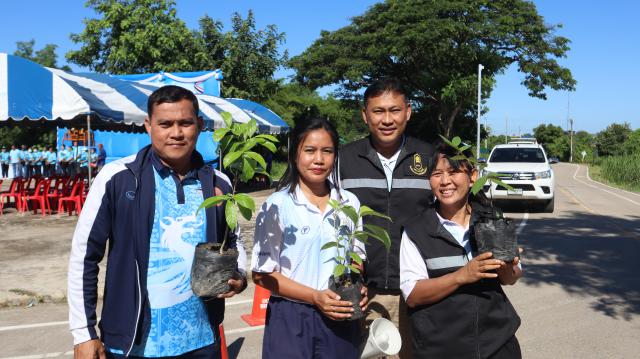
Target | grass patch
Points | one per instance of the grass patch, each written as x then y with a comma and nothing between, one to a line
595,172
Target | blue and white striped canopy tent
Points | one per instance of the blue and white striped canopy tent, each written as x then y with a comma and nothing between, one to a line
267,120
199,82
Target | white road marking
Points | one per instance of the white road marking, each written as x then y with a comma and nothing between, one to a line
29,326
602,184
523,223
59,354
51,324
601,189
243,330
39,356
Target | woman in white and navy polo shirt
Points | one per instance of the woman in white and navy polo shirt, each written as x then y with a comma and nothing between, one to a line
304,318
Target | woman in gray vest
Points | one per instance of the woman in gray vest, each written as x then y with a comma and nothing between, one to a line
457,307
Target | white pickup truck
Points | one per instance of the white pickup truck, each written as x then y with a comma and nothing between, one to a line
522,164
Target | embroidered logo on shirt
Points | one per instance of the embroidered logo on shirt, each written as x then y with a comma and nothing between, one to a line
305,229
131,195
417,167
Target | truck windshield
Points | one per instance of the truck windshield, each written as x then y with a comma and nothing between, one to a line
517,155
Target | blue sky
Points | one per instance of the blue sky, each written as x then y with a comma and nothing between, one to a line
605,44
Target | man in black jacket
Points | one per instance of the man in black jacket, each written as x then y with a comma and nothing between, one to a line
387,171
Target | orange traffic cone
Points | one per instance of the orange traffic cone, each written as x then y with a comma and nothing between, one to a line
259,309
223,343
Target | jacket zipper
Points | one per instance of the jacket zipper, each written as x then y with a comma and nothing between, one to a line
386,273
135,329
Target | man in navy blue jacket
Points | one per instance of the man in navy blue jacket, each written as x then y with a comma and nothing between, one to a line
143,208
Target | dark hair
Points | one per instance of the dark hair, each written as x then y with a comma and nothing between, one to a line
449,153
171,94
387,84
296,137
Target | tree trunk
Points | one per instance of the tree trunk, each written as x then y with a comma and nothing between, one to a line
452,117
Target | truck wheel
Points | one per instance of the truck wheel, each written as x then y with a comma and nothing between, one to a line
548,208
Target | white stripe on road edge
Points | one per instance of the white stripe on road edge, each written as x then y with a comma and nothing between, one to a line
523,223
602,184
602,189
29,326
243,330
51,324
59,354
39,356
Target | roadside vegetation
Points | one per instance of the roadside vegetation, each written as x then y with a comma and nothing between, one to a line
618,171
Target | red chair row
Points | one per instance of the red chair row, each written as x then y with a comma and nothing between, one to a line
42,192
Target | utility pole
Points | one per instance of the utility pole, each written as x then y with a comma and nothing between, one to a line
480,67
570,140
506,128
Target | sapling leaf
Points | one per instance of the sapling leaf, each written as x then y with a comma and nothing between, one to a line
271,138
356,258
247,170
351,213
245,212
244,200
366,211
231,215
256,157
379,233
447,141
334,204
460,157
477,186
456,142
226,117
464,148
270,146
354,268
213,201
219,133
230,158
329,245
339,270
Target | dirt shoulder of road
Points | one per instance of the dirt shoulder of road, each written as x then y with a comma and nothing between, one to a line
34,255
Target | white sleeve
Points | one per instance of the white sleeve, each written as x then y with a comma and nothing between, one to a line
412,266
267,240
242,253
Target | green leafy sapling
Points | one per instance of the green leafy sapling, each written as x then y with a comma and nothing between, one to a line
346,224
237,144
457,144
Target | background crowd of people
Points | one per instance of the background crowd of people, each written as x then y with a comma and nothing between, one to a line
69,160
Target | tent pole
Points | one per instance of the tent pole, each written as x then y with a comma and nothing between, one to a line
89,147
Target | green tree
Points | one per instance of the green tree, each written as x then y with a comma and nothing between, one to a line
610,141
632,144
583,141
133,36
551,138
294,102
251,58
435,47
46,56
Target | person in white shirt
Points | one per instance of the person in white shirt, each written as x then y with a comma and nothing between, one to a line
457,306
291,228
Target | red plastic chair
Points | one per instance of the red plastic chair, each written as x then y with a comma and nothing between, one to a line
16,191
75,197
57,189
40,195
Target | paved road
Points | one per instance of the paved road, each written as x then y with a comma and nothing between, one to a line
580,297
